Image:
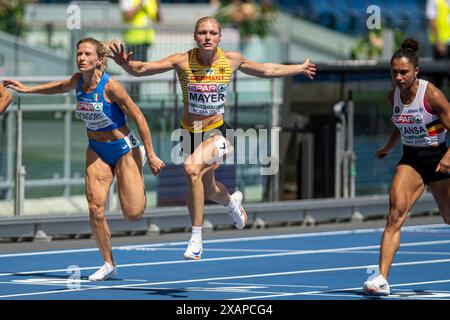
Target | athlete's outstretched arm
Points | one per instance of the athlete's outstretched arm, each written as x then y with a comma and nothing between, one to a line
5,99
45,88
142,68
439,104
117,93
270,70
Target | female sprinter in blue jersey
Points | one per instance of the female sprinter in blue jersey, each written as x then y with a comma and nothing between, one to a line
114,150
421,115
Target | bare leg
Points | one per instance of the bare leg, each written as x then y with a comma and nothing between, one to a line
214,190
99,177
130,185
195,194
406,188
441,193
199,163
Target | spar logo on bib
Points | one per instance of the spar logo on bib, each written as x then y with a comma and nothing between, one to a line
418,119
89,106
407,119
98,106
203,88
222,88
211,94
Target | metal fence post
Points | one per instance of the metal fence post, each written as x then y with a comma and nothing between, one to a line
275,143
351,156
20,169
339,110
67,147
10,154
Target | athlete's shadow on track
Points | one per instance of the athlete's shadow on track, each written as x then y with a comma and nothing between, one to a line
174,293
413,293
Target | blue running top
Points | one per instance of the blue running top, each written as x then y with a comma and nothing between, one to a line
95,111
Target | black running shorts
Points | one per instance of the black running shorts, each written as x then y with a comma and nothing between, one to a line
197,138
425,161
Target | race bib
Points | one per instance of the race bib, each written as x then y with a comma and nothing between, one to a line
207,99
92,114
132,140
413,131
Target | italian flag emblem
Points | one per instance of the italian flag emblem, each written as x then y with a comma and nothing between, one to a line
96,96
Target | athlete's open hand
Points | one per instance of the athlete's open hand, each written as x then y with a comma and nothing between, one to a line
118,54
383,152
309,68
15,85
155,164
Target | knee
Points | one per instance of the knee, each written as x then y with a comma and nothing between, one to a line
397,215
133,215
96,212
193,172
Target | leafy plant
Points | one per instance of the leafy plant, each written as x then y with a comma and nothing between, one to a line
12,14
249,17
371,46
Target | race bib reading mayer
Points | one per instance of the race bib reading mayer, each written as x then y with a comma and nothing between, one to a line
92,114
207,98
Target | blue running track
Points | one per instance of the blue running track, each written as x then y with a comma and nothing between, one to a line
308,266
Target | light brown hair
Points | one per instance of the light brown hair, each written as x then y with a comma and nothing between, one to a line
102,50
201,20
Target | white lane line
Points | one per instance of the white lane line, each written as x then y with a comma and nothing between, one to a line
255,256
346,289
400,264
259,238
420,253
209,249
268,285
142,286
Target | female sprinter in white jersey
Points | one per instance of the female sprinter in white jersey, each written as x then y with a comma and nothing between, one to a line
114,150
421,115
204,73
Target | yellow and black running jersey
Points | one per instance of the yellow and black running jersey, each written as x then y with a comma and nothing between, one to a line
205,87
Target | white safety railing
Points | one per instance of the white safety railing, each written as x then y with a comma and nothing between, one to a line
15,181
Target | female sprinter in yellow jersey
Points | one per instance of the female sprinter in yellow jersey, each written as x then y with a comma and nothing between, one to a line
204,73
